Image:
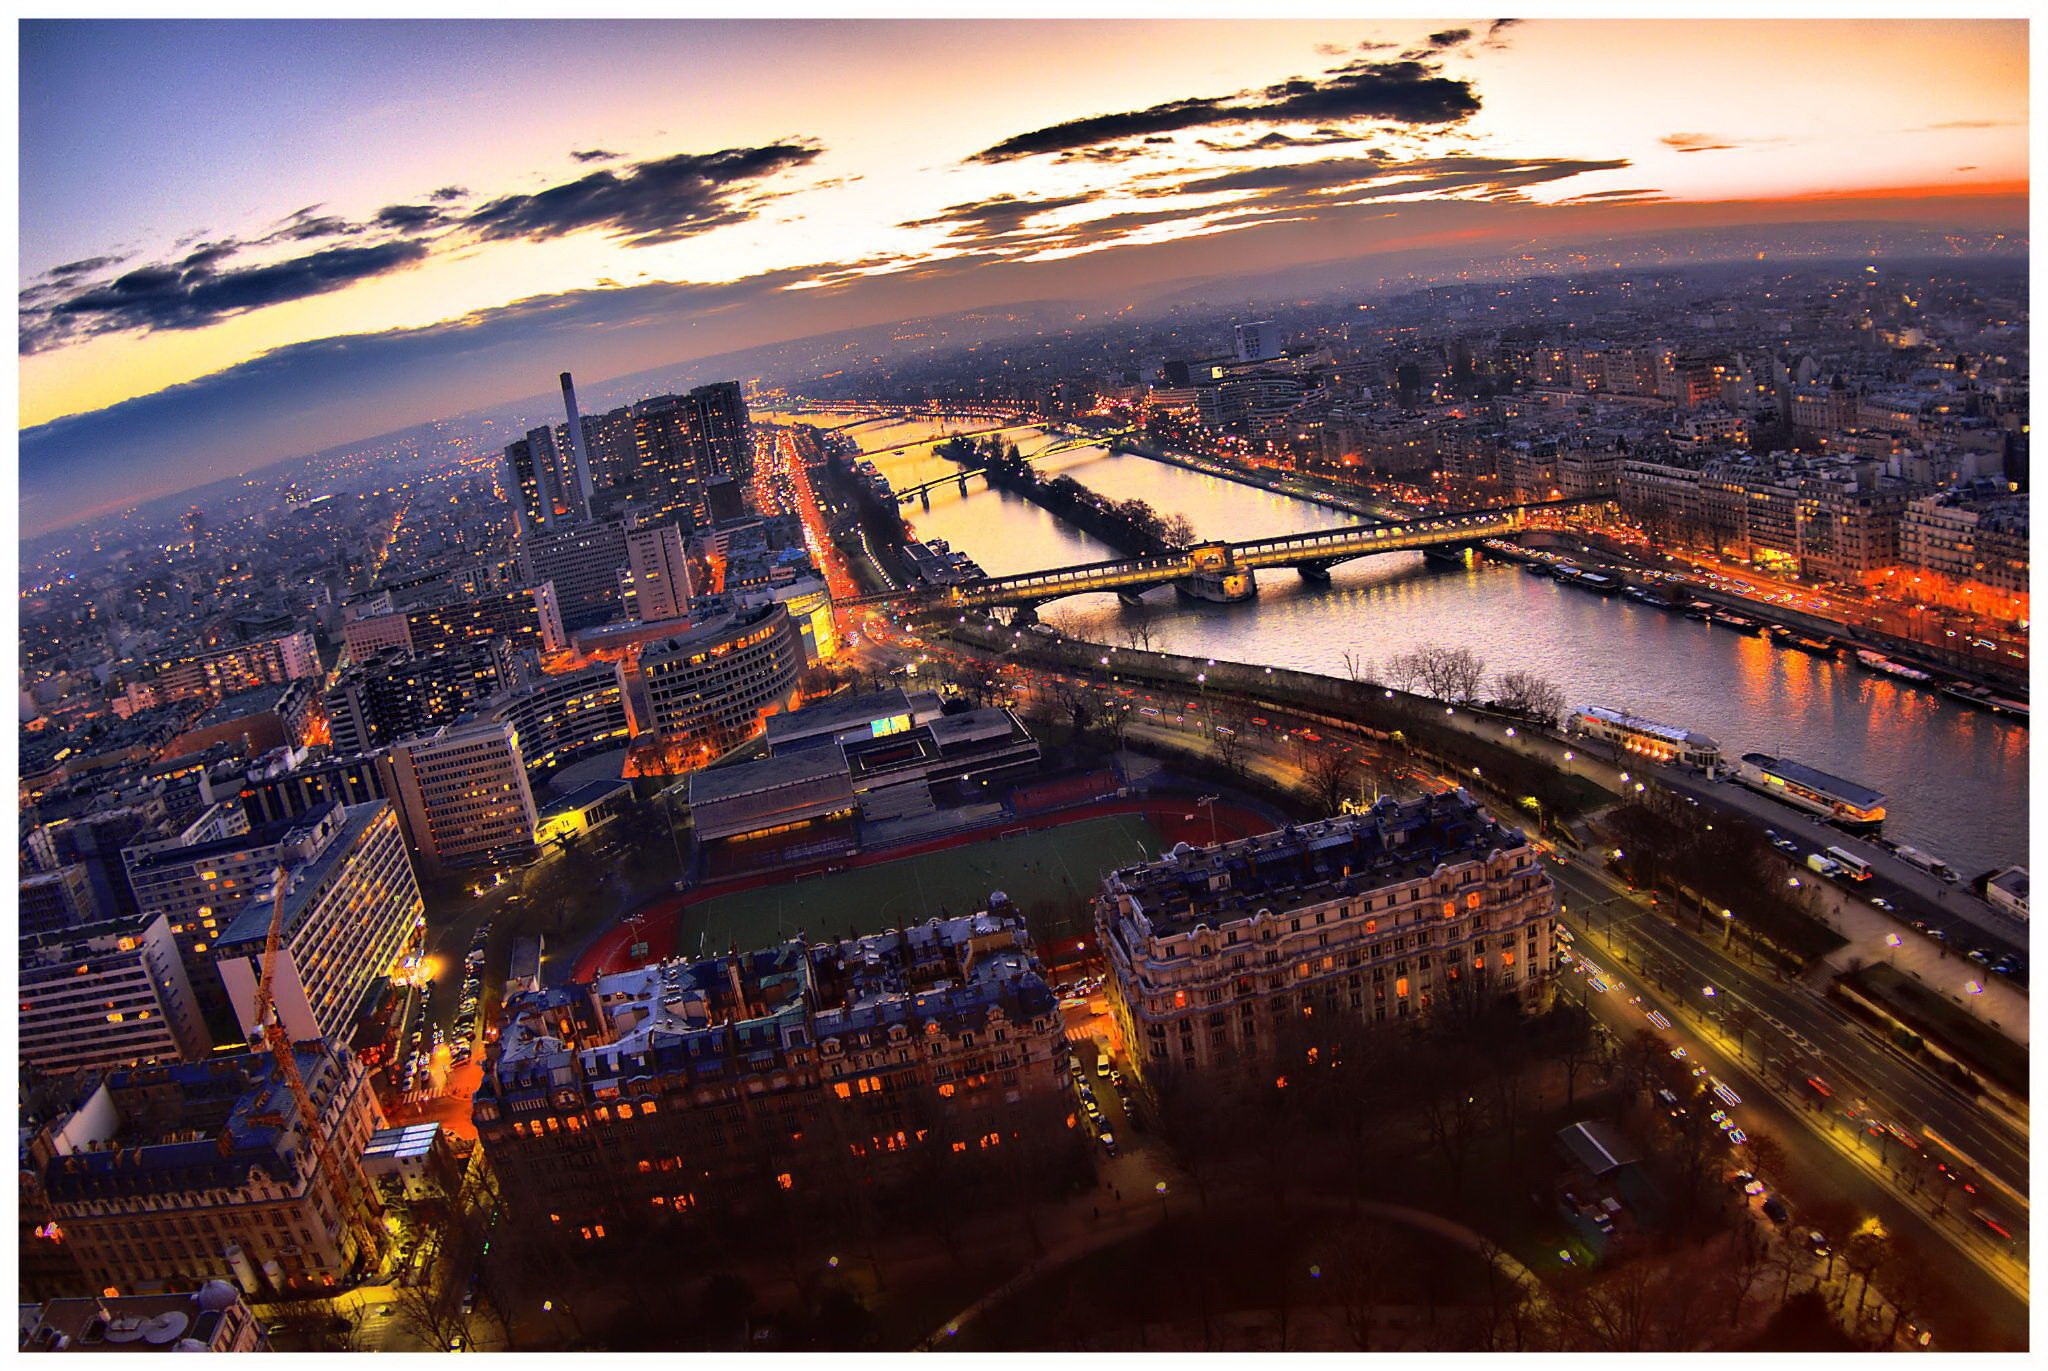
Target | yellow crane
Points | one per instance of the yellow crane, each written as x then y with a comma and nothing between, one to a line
359,1207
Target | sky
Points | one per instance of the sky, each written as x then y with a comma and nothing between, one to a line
243,241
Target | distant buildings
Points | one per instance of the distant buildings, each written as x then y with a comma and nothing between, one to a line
1971,544
225,671
1403,910
167,1176
726,1083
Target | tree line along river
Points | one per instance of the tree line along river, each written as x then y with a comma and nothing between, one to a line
1956,777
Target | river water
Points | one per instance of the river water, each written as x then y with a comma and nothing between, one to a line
1956,777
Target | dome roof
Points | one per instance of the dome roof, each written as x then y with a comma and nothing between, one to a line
217,1294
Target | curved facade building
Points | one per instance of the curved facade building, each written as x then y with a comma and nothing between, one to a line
709,688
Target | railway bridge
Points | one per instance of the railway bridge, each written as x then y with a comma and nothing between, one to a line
1226,571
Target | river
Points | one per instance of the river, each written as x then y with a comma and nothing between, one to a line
1956,777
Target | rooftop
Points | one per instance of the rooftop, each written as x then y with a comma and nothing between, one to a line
307,880
1394,842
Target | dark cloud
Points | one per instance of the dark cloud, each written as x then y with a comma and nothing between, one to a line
1277,140
410,218
192,294
1000,215
1449,38
1967,124
1102,154
303,229
1404,92
203,257
595,155
84,266
649,202
1495,30
447,193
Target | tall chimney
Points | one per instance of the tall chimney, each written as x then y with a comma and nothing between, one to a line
576,446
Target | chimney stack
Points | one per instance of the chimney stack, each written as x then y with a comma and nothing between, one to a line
576,446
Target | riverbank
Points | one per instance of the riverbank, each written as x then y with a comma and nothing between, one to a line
1301,488
1945,670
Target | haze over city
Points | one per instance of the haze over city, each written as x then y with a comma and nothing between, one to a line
1074,687
232,285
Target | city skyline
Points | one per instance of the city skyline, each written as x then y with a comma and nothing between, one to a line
176,329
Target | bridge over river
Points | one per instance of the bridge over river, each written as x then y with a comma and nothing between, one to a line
1225,571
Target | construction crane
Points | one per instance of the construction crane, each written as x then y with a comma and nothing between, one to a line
359,1207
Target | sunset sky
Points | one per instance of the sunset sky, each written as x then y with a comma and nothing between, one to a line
243,241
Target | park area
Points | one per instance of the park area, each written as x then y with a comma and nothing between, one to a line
1049,867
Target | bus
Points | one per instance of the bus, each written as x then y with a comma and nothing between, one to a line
1853,867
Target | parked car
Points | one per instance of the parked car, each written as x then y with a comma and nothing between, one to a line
1775,1210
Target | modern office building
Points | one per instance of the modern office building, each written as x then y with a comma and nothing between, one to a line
286,784
709,688
658,573
563,715
62,898
352,910
463,795
1256,342
110,994
582,562
685,441
724,1083
527,615
204,878
395,694
541,482
1386,914
168,1176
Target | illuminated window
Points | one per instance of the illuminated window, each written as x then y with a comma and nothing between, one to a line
1472,900
946,1091
1450,910
842,1090
786,1181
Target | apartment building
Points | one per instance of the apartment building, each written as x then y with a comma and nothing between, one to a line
167,1176
463,795
107,994
723,1082
1380,915
352,909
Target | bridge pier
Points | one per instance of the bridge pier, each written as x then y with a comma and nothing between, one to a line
1315,573
1133,598
924,497
963,483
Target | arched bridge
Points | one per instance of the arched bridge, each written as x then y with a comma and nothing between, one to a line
1229,565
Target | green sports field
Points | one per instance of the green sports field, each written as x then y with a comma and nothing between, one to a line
1050,875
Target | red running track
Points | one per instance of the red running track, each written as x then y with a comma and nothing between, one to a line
655,924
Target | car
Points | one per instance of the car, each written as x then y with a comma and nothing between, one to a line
1980,956
1880,902
1817,1243
1102,1066
1698,1071
1659,1019
1775,1210
1092,1110
1820,1087
1116,1078
1919,925
1939,935
1109,1143
1678,1054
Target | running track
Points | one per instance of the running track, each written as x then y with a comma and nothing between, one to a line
657,921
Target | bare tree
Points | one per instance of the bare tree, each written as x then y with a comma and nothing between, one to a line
1328,774
1178,530
1534,695
1227,720
1137,633
1446,673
